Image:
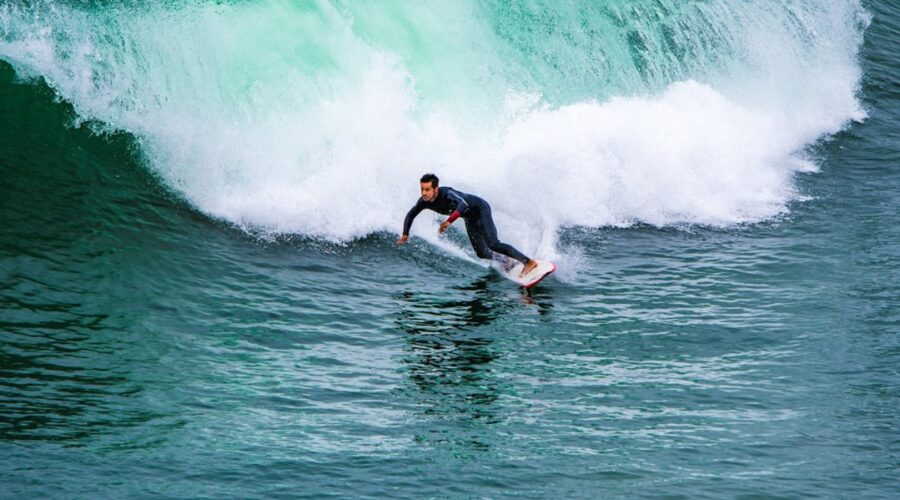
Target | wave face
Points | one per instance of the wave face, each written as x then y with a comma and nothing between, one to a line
318,117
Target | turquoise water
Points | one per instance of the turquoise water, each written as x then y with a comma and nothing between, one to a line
195,195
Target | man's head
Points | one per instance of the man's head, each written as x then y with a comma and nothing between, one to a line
429,185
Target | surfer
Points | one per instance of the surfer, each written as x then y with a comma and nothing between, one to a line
475,212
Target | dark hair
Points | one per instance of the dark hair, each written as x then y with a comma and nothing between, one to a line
430,178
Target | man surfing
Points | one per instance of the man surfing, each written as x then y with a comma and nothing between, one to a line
474,211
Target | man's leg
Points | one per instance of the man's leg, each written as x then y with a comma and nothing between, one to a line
475,230
493,242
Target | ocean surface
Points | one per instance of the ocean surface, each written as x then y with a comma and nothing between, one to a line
201,295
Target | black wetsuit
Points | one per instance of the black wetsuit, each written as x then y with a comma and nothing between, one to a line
479,223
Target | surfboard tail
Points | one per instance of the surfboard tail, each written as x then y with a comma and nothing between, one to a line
541,273
534,277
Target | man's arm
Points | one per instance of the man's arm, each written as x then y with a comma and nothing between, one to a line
410,216
461,207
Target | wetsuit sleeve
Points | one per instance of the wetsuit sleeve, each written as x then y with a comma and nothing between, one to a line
461,205
413,212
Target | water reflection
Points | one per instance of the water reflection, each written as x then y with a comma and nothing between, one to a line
539,297
449,360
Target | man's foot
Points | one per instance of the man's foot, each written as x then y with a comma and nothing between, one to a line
529,266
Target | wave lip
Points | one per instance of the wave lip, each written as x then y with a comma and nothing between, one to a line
318,119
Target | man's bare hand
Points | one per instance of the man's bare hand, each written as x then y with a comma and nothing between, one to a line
403,239
444,226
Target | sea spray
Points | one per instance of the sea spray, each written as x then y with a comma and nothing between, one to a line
317,118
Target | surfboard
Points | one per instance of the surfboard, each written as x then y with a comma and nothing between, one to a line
543,269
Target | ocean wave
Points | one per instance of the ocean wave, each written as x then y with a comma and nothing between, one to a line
318,118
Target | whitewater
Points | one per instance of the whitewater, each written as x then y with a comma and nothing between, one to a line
317,118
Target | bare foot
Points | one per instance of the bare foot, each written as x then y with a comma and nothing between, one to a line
529,266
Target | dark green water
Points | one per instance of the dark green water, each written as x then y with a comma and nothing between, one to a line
175,328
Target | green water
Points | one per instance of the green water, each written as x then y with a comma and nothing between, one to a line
186,301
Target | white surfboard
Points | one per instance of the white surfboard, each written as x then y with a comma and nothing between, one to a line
543,269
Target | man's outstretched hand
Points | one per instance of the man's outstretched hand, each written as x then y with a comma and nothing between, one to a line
403,239
444,226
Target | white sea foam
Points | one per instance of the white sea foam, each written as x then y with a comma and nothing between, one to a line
266,140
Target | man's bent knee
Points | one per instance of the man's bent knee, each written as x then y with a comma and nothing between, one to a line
484,254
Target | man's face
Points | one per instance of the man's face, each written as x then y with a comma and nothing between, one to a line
428,193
